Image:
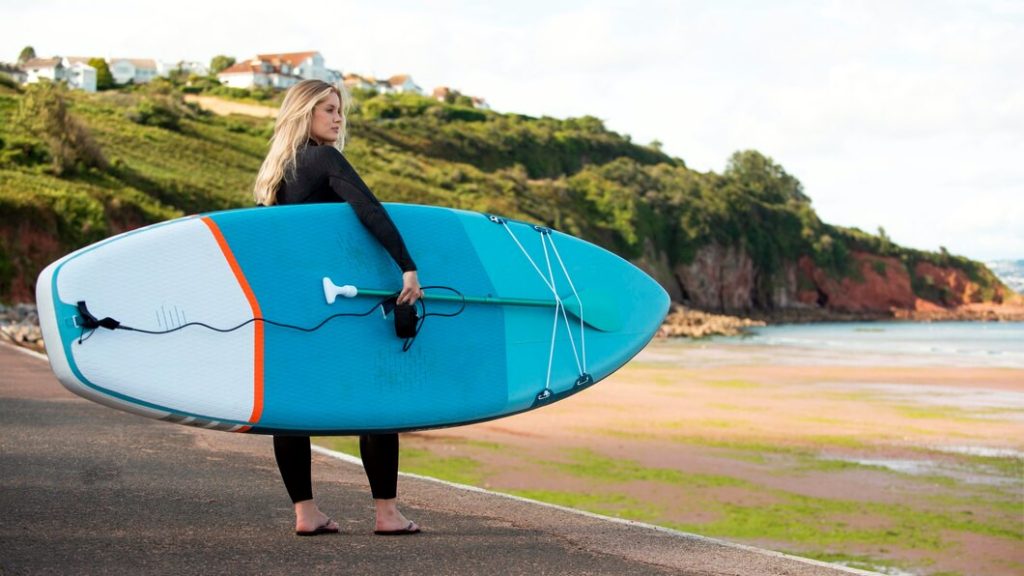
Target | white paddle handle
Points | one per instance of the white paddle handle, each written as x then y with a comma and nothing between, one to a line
332,290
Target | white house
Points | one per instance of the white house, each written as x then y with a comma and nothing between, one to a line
402,83
135,70
277,70
79,74
74,70
357,82
37,69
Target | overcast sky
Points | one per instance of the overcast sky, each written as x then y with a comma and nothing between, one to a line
907,115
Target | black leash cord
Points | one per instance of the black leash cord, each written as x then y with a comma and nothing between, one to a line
90,323
423,318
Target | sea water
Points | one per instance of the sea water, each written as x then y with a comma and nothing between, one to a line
975,344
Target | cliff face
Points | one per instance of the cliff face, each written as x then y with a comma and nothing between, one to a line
725,279
885,286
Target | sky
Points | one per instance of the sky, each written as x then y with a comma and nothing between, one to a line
902,114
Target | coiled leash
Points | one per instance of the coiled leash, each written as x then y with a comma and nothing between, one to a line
407,318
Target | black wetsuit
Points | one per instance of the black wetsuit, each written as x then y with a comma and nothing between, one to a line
322,174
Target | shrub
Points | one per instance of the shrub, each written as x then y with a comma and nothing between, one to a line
44,112
20,151
154,111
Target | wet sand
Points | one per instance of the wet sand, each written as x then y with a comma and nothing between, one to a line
879,463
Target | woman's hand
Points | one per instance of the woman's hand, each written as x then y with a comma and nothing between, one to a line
411,291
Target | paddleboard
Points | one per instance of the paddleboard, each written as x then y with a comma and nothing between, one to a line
270,320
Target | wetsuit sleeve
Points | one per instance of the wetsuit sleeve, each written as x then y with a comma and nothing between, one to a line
347,184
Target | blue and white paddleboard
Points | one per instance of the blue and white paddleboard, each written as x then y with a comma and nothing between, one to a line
544,316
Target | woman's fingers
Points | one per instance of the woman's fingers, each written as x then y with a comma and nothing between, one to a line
409,295
411,291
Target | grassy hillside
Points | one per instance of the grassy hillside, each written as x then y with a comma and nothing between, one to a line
143,156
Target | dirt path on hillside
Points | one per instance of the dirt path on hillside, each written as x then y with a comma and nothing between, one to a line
226,107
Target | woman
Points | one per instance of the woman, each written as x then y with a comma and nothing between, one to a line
305,165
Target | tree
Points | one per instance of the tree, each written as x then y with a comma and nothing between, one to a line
885,245
766,180
220,62
27,53
104,79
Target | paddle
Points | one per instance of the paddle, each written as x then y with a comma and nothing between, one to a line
600,312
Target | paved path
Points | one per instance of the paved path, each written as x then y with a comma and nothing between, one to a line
85,489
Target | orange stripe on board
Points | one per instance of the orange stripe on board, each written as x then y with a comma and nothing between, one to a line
257,393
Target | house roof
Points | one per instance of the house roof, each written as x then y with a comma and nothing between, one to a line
148,63
246,67
76,59
292,58
441,92
41,63
398,79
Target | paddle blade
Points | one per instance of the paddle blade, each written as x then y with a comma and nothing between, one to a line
598,308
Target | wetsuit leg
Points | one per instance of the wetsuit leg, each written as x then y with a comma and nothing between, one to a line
294,460
380,460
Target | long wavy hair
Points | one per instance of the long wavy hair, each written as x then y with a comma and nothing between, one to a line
291,131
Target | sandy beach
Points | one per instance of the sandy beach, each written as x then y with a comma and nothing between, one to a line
878,463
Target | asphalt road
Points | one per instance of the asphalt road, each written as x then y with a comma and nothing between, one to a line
86,489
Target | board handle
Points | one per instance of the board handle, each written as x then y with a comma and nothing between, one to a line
332,290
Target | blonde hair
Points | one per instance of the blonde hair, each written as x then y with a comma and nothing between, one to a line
291,130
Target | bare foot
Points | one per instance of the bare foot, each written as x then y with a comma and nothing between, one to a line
389,519
309,518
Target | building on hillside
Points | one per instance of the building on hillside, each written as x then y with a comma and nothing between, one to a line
441,93
402,83
75,71
197,68
14,71
165,69
357,82
79,73
134,70
37,69
446,94
278,70
397,84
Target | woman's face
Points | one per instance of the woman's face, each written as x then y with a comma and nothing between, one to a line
326,124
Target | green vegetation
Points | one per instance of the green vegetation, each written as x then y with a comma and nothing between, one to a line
458,469
104,78
826,523
608,504
77,167
588,464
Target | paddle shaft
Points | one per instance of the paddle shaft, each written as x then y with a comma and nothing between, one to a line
468,299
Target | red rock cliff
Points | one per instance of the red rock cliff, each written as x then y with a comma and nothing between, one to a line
725,279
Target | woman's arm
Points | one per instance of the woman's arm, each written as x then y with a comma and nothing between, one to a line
349,187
